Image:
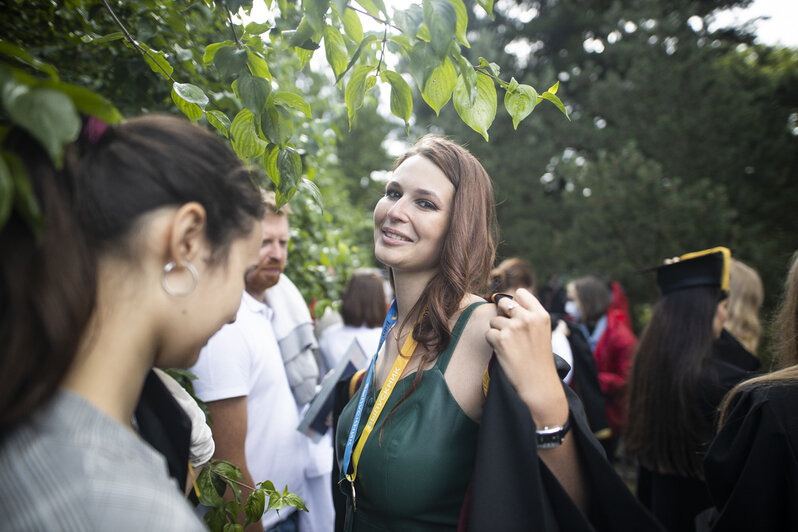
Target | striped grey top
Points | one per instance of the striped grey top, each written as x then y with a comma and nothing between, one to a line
71,467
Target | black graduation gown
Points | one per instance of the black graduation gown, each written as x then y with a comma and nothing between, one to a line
751,468
513,489
729,349
585,380
676,500
163,423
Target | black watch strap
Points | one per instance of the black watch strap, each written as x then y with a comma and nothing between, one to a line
550,437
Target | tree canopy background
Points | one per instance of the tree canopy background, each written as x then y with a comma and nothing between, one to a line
680,140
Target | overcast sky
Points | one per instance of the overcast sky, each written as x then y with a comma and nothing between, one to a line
780,27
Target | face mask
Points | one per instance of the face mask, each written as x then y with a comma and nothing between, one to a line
572,310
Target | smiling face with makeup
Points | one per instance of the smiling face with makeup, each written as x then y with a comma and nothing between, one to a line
412,218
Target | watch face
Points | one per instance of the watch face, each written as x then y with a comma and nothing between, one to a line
549,437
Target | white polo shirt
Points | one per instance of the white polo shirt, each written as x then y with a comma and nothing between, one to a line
243,359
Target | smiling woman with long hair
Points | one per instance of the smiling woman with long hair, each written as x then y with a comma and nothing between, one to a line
409,442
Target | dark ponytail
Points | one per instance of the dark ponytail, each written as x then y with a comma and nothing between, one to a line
47,288
92,209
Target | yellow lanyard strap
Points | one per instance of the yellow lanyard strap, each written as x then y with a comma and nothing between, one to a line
399,365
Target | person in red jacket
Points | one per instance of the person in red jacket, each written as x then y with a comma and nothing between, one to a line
612,341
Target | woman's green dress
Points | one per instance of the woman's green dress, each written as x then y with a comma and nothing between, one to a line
413,473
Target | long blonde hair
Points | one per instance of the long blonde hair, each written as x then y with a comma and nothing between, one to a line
786,342
746,295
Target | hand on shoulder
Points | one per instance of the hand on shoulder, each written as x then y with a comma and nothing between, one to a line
520,335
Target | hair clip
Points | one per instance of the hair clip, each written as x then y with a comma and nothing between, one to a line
93,130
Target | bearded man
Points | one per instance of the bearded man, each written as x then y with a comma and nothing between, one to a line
245,379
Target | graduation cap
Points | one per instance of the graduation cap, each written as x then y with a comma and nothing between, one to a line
709,267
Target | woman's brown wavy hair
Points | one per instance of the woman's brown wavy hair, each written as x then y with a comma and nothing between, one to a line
468,249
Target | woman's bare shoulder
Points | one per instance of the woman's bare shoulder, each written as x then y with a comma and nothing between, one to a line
478,324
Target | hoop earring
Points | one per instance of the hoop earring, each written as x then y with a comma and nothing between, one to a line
168,268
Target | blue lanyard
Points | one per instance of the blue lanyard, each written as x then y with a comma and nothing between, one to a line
350,442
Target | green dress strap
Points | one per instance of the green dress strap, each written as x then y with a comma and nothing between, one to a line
443,359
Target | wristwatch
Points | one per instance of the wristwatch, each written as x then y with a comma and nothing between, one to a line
550,437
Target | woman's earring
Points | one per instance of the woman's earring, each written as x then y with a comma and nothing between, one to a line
168,268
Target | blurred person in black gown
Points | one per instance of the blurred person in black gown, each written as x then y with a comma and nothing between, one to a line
678,380
751,469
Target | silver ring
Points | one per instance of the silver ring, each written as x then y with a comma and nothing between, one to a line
511,305
168,268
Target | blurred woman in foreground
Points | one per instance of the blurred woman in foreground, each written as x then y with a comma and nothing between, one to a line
147,233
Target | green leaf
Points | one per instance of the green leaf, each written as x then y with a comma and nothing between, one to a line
277,125
218,120
296,501
520,101
553,88
232,527
402,42
230,61
370,82
192,111
289,164
87,102
310,186
157,61
47,114
467,71
304,36
258,65
439,86
422,63
207,490
215,519
441,19
315,11
246,142
372,7
229,474
211,49
255,28
335,49
409,21
292,100
10,50
191,93
254,507
462,21
111,37
352,26
267,485
487,5
556,101
340,6
363,44
356,90
492,67
270,163
423,33
401,96
479,115
6,191
304,56
275,500
253,92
